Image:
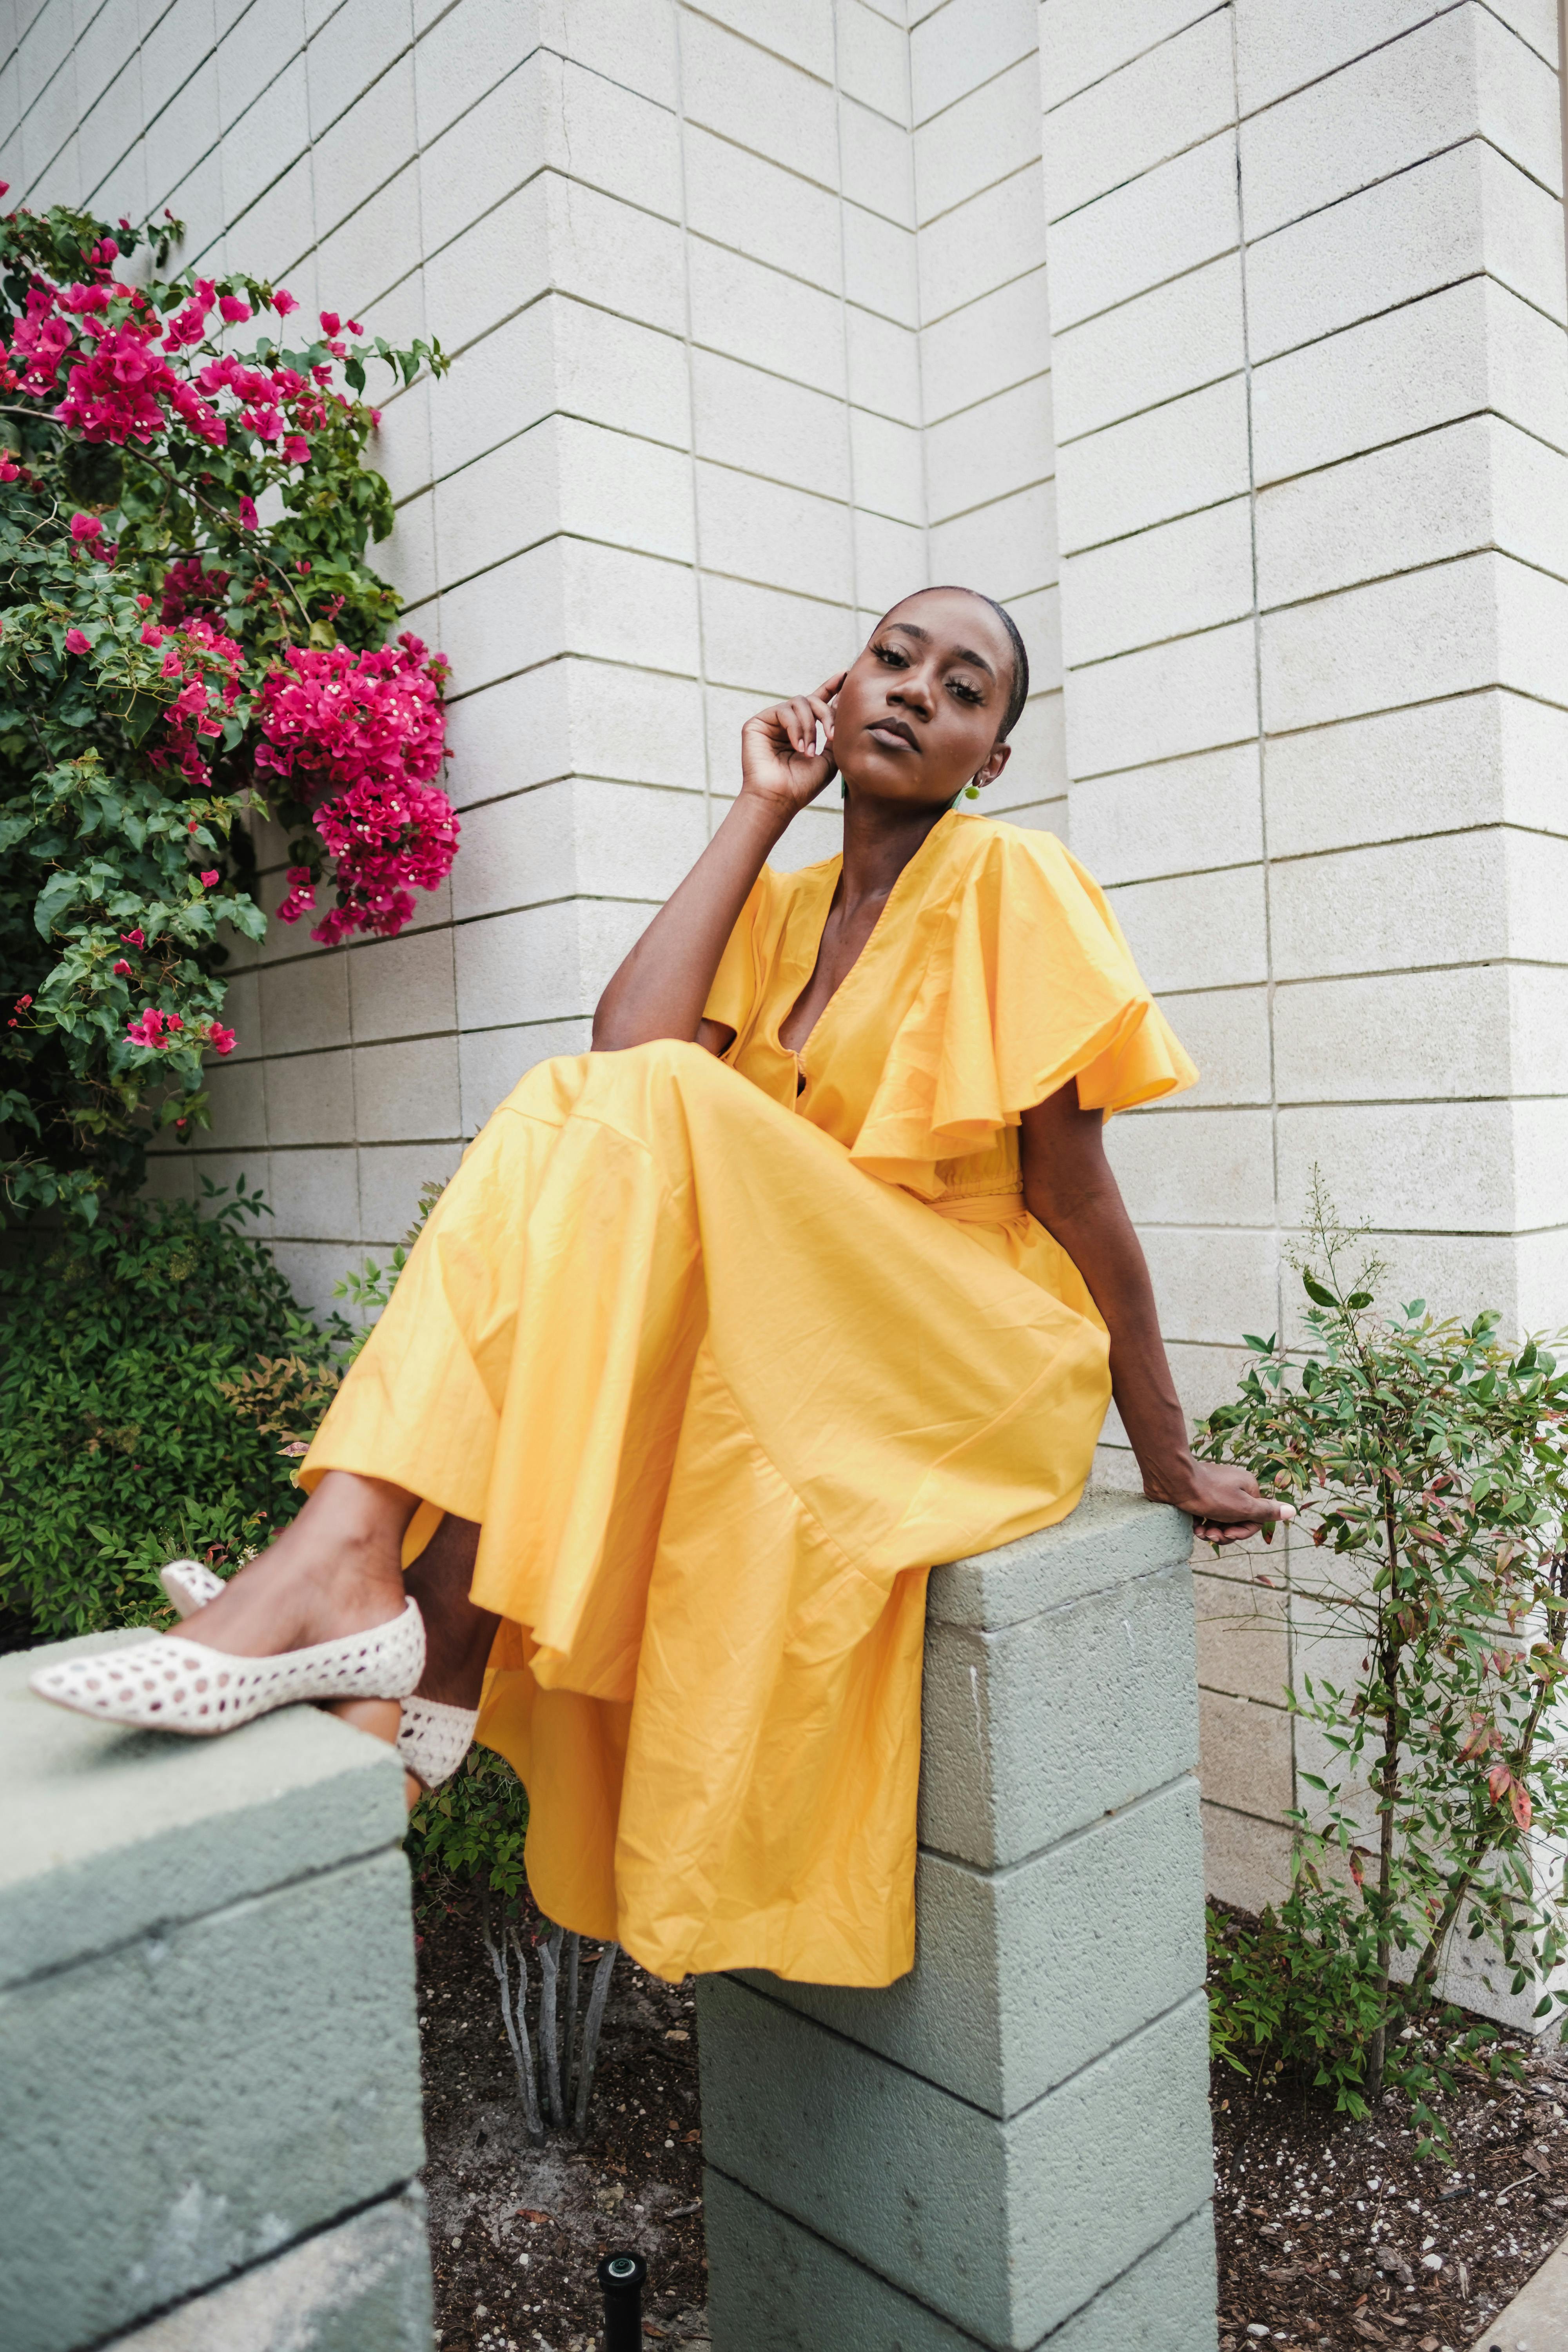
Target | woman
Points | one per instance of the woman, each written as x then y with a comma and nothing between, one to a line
811,1274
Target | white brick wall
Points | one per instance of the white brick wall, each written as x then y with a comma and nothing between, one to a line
751,328
1307,295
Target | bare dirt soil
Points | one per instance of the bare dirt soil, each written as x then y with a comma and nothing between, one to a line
1331,2236
517,2231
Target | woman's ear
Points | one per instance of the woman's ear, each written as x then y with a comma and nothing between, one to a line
1000,755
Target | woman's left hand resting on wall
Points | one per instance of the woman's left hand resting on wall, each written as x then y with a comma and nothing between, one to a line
1069,1186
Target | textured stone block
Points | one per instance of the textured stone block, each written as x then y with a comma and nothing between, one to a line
958,47
1165,581
207,2032
995,131
1186,454
1193,695
994,2009
364,2286
1171,219
1171,341
1005,2229
1169,98
1031,1732
109,1834
773,2281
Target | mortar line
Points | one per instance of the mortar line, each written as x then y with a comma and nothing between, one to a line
1069,1837
882,2058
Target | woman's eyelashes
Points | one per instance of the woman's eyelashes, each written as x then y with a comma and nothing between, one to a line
960,689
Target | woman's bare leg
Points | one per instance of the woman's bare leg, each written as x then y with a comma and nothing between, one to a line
337,1568
458,1635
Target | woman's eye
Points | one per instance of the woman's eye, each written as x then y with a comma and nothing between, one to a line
965,693
890,654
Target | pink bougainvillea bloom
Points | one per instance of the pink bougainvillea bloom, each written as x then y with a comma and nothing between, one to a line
209,877
296,449
117,393
354,327
136,938
85,526
122,970
303,565
283,303
331,322
149,1029
220,1039
23,1002
78,642
151,634
231,307
175,1022
9,471
247,514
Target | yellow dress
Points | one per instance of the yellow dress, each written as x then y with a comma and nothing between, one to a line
723,1357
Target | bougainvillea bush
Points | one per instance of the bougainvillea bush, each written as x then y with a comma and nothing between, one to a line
190,636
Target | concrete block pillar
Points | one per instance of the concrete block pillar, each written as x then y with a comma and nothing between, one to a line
1010,2148
207,2038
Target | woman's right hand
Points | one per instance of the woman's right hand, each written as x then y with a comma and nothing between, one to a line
779,759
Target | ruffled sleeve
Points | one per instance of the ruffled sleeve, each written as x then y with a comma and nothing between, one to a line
1029,982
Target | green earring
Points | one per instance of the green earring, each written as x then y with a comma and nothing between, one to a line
972,792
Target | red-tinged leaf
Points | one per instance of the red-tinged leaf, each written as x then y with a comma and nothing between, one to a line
1498,1780
1357,1872
1271,1581
1519,1797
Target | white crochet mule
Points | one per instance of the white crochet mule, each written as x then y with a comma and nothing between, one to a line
432,1738
173,1684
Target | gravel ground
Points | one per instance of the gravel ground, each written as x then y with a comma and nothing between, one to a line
1331,2235
517,2231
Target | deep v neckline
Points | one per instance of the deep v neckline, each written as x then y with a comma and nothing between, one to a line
798,1052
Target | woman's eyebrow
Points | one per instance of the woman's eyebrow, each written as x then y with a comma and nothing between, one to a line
960,653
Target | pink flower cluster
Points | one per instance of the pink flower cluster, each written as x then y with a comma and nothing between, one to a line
119,385
160,1029
366,732
206,667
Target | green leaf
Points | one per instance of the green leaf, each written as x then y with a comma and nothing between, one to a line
1315,1290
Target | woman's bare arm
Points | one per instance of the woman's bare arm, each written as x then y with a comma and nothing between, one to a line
661,988
1069,1186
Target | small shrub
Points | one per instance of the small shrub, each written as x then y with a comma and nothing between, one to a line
143,1398
1430,1464
469,1833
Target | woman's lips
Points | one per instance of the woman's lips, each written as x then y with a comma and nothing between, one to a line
891,738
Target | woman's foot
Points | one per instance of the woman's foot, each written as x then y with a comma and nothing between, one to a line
333,1571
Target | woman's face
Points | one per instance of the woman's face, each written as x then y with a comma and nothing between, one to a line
917,715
